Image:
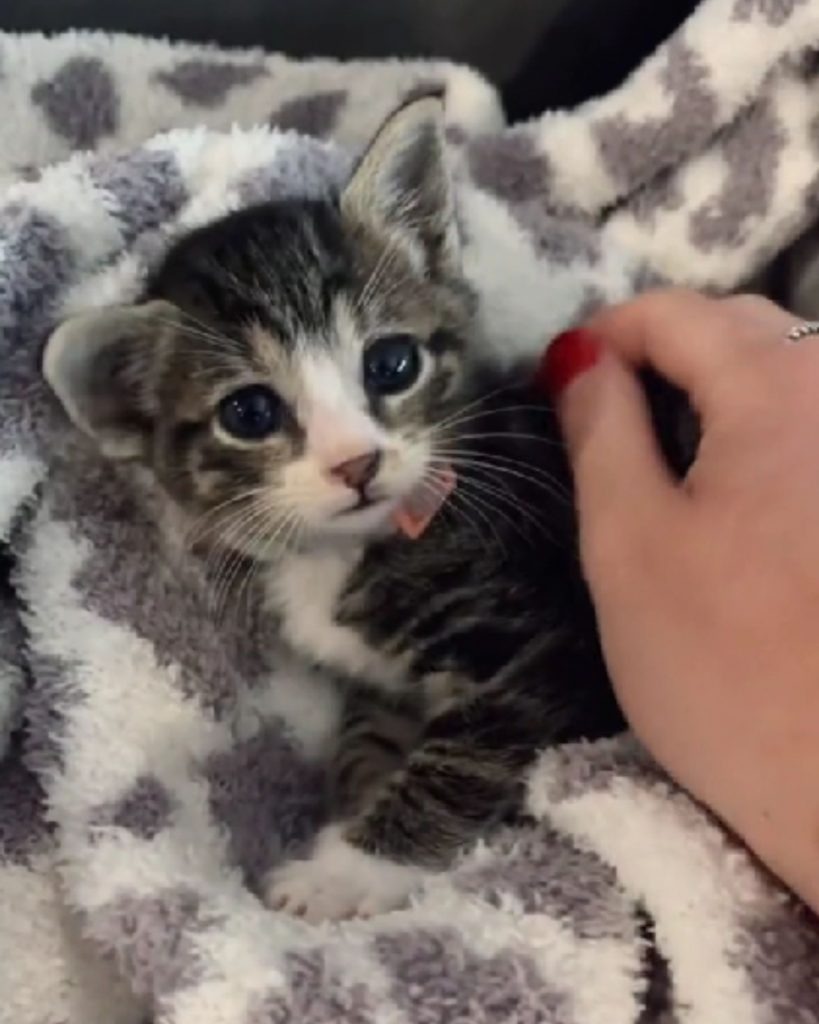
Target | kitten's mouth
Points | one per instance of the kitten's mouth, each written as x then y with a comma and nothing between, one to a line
364,501
412,513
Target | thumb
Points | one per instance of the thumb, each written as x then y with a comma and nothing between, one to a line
621,479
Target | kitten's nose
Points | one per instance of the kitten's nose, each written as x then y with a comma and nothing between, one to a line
357,473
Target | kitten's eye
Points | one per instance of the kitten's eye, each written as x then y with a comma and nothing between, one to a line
392,364
251,413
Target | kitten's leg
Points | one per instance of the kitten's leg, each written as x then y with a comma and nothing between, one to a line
468,770
375,738
463,776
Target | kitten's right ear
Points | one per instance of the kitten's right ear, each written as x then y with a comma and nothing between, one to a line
401,188
103,366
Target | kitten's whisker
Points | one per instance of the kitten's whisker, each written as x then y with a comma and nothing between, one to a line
234,528
482,453
208,328
550,491
479,506
190,535
218,568
453,417
442,490
217,341
535,474
474,406
231,525
387,289
266,543
503,465
437,487
498,513
408,203
512,434
251,523
233,522
386,255
384,260
237,570
213,342
500,494
453,429
285,536
230,560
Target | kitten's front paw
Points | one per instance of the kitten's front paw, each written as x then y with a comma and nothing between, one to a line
339,881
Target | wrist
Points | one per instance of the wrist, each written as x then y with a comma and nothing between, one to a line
780,820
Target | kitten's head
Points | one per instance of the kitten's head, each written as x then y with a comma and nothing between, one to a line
290,364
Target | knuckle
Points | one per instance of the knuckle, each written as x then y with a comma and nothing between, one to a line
650,303
650,311
748,302
755,317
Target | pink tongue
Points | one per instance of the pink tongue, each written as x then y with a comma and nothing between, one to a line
420,507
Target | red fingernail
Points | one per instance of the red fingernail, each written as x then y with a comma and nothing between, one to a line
568,356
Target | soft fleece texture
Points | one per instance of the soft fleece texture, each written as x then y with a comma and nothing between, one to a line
155,764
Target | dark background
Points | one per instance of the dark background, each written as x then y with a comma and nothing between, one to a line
544,54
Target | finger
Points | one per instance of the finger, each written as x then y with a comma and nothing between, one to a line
621,479
689,338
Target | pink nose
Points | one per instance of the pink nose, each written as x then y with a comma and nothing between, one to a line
357,473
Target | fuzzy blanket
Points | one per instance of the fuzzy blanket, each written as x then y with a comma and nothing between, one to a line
157,764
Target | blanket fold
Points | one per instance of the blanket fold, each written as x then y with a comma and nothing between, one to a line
158,760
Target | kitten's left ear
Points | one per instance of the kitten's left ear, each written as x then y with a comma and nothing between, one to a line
402,189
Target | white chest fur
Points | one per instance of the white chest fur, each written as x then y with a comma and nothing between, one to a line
304,591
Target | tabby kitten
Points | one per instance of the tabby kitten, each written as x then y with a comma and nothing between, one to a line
302,375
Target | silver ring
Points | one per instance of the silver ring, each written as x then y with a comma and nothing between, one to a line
808,329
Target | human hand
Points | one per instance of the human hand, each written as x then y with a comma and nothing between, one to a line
707,591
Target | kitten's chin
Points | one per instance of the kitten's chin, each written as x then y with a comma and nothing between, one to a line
350,528
357,524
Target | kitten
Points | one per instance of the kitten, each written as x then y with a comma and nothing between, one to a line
302,375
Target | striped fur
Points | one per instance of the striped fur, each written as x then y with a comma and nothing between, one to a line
464,652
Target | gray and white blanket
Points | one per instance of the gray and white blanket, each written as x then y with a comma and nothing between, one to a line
156,762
